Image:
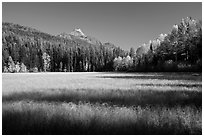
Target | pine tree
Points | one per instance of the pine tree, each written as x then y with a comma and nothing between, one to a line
11,65
46,62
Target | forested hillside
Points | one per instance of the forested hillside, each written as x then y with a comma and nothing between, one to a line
25,49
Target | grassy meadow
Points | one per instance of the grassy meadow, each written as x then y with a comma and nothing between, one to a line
101,103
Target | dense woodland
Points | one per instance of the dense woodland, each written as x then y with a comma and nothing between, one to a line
28,50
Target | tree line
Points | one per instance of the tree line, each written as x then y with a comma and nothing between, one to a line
180,50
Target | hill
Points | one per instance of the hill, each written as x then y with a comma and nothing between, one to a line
65,52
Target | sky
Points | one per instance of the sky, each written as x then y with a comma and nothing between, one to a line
123,24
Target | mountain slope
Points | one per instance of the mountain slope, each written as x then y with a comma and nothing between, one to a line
66,52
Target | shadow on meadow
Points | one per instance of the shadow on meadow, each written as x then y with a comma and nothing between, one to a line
112,97
162,76
189,85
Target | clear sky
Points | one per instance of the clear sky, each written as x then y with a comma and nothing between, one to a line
123,24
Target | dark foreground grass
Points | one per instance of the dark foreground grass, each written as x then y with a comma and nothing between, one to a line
85,118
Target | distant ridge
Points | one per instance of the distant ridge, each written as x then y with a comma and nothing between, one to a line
76,36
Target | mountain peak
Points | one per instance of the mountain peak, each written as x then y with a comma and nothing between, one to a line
78,32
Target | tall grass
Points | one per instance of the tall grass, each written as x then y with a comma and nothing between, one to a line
112,97
102,103
85,118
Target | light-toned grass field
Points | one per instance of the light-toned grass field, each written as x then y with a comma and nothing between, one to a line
102,103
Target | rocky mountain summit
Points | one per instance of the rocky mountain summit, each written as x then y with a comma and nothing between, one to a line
78,34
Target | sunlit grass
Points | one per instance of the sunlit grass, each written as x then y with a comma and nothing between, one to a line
38,81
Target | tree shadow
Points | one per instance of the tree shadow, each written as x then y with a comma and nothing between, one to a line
189,85
160,77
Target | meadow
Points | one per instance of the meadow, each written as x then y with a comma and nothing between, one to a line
101,103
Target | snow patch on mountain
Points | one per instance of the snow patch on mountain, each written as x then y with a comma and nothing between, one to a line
77,32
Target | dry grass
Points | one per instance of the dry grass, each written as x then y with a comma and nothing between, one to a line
102,103
85,118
